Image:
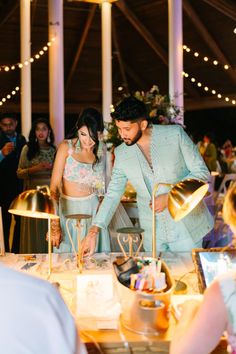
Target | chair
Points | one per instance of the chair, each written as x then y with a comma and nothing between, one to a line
209,199
227,180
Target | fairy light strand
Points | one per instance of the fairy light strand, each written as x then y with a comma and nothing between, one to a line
208,89
9,95
205,58
38,55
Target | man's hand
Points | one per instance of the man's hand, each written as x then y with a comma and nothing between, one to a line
160,203
88,244
7,148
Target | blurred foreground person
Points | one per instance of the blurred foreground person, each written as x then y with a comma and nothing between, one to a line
34,318
202,324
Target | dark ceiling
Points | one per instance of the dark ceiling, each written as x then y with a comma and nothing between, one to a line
140,35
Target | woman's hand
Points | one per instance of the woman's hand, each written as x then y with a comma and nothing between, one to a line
56,233
160,203
39,167
88,244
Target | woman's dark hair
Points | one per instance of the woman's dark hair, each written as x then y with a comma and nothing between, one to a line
33,145
130,109
93,120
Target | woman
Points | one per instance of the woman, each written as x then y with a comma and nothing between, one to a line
78,178
202,325
35,167
208,151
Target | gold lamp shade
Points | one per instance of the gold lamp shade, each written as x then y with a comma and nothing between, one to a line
35,203
184,196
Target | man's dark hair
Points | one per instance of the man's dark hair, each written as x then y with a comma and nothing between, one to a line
130,109
6,115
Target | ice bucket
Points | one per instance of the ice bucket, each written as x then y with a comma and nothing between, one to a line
143,312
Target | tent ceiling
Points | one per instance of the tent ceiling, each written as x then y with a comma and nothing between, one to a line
140,51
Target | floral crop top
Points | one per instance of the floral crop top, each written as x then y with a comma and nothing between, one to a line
88,177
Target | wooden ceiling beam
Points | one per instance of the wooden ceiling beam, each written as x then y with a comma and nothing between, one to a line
150,40
81,45
223,6
207,37
140,82
119,57
142,30
7,10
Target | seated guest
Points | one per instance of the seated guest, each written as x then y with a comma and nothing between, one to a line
34,319
228,149
208,151
201,325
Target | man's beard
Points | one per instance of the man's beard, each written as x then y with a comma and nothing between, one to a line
135,139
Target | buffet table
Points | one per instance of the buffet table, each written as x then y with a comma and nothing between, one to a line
101,335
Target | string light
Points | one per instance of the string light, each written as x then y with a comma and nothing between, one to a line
7,68
206,88
205,58
9,95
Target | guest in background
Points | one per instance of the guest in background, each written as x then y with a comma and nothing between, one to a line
228,149
202,324
78,179
34,318
208,151
11,144
35,167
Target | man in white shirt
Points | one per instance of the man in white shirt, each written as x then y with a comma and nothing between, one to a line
34,318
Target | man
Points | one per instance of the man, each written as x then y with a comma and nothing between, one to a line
34,318
150,155
11,144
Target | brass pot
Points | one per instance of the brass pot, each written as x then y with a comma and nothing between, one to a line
146,313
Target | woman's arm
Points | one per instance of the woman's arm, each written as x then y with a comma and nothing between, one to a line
55,188
24,167
57,172
200,328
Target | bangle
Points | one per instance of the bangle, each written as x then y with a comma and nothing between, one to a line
93,232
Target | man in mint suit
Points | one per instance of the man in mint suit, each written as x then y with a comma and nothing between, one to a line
150,155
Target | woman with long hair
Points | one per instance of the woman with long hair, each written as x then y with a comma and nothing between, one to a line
35,167
78,179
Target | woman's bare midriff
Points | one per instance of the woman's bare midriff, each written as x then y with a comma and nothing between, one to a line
71,189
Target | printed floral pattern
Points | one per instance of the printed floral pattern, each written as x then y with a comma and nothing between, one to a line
87,176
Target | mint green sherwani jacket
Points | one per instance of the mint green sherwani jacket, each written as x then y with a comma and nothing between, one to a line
174,158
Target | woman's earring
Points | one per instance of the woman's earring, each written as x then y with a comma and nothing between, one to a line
48,139
77,146
36,140
100,149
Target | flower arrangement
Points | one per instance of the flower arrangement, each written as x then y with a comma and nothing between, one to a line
161,110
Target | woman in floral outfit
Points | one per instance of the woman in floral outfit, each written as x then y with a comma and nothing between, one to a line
78,179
